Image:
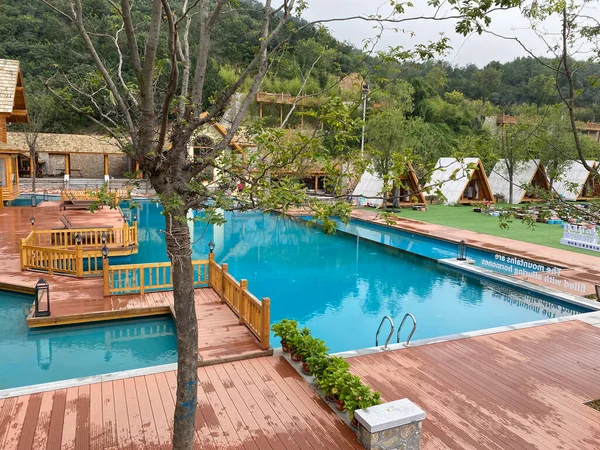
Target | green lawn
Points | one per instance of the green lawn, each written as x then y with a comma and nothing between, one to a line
464,218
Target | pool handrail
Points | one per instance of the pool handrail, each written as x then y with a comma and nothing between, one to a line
389,335
414,328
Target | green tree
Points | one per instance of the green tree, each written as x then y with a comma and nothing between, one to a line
541,89
487,81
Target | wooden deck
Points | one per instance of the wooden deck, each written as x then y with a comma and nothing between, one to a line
74,300
522,389
257,404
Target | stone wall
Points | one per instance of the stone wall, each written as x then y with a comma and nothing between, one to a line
405,437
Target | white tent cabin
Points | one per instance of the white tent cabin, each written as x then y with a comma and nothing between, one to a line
408,191
461,181
526,173
578,183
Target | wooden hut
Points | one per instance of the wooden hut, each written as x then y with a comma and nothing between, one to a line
578,183
13,108
526,174
406,191
461,181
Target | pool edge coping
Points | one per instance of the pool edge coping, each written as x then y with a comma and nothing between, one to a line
82,381
592,318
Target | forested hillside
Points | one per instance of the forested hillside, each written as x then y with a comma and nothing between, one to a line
49,48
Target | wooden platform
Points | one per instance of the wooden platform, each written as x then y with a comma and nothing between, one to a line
522,389
258,404
75,300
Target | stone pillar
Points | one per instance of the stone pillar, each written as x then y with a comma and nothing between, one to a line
391,426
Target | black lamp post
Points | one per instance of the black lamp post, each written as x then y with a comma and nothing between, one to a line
104,237
32,220
135,217
104,252
211,246
42,298
462,251
33,200
78,239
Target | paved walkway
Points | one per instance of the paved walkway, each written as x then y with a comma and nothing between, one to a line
258,404
522,389
580,270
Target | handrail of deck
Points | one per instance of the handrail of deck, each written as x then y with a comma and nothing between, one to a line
92,194
56,251
141,278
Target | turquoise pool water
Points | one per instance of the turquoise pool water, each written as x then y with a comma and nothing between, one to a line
341,286
41,356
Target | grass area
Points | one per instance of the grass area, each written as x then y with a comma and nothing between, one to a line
464,218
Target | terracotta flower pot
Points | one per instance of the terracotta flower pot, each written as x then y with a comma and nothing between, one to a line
354,422
340,405
330,398
294,357
305,368
285,347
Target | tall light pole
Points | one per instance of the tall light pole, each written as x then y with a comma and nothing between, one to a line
365,92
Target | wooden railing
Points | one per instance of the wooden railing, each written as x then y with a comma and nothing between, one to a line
56,251
254,313
142,278
92,194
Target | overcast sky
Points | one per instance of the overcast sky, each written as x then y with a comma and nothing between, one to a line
474,49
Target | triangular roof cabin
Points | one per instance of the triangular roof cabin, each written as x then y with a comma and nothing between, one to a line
410,193
526,173
461,181
578,183
13,108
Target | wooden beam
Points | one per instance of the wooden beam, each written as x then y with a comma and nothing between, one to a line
105,164
67,164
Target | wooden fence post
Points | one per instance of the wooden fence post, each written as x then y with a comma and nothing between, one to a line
79,261
224,269
142,280
265,323
125,234
242,302
211,260
22,256
105,276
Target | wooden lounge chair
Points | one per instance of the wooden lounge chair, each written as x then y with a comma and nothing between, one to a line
72,203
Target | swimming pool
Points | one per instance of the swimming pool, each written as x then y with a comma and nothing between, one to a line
60,353
341,286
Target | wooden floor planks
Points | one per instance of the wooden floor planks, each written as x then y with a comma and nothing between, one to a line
241,405
521,389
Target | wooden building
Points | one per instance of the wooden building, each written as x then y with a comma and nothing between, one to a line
13,108
578,183
526,175
461,181
406,191
72,155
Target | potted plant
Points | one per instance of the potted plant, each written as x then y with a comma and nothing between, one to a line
297,341
361,397
317,364
328,381
346,386
311,346
285,329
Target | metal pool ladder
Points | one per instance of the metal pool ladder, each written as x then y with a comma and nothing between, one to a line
389,335
400,328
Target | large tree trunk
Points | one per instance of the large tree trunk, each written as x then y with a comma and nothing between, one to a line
179,251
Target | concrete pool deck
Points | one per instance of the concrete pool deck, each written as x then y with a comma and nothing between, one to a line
579,275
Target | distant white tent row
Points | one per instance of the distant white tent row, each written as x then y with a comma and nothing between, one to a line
461,181
370,187
577,183
525,173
